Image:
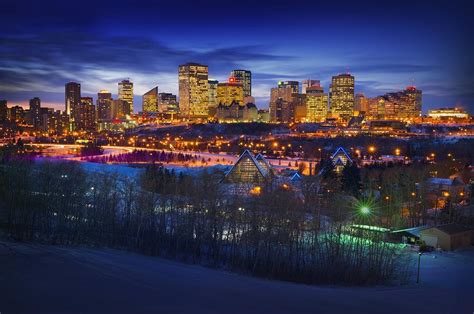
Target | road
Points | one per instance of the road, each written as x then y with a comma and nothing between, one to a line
48,279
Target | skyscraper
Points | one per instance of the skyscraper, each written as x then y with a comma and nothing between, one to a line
85,117
308,83
168,102
120,109
360,103
294,85
213,93
35,114
341,96
125,92
316,104
193,90
245,77
282,107
150,101
72,97
229,92
104,105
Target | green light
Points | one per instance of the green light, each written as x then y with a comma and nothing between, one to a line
365,210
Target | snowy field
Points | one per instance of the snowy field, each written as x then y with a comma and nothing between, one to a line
48,279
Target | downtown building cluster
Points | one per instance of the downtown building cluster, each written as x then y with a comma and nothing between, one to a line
203,99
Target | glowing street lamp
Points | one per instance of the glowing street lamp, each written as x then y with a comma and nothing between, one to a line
397,151
371,149
365,210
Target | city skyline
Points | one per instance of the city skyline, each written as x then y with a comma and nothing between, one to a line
38,62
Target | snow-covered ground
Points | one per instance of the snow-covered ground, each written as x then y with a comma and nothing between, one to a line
47,279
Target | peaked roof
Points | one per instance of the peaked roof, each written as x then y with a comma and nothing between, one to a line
264,163
338,151
249,155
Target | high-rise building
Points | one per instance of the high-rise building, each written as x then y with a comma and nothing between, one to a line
294,85
35,114
125,92
17,114
361,103
244,77
104,105
403,105
341,96
213,93
120,109
229,92
193,90
3,110
316,104
308,83
151,102
168,102
72,97
85,117
282,107
58,122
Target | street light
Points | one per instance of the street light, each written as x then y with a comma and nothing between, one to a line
418,273
365,210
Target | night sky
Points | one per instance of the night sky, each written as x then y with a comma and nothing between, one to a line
386,45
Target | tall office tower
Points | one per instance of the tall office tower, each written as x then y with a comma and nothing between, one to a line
35,114
125,92
361,103
213,93
73,97
193,90
308,83
294,85
58,122
85,117
120,109
341,96
3,110
229,92
411,103
151,102
168,102
104,105
316,104
282,107
244,77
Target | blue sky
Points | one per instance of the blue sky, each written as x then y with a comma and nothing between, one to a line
385,45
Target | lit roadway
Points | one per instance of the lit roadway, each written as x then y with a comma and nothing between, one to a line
61,151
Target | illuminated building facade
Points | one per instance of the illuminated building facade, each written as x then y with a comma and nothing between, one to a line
193,90
120,109
104,105
294,85
168,102
448,113
248,170
229,92
308,83
35,114
282,107
72,97
125,92
17,114
213,93
237,113
316,104
85,115
341,96
58,122
401,105
340,159
244,77
151,102
361,103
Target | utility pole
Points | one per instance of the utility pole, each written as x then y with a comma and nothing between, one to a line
418,273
